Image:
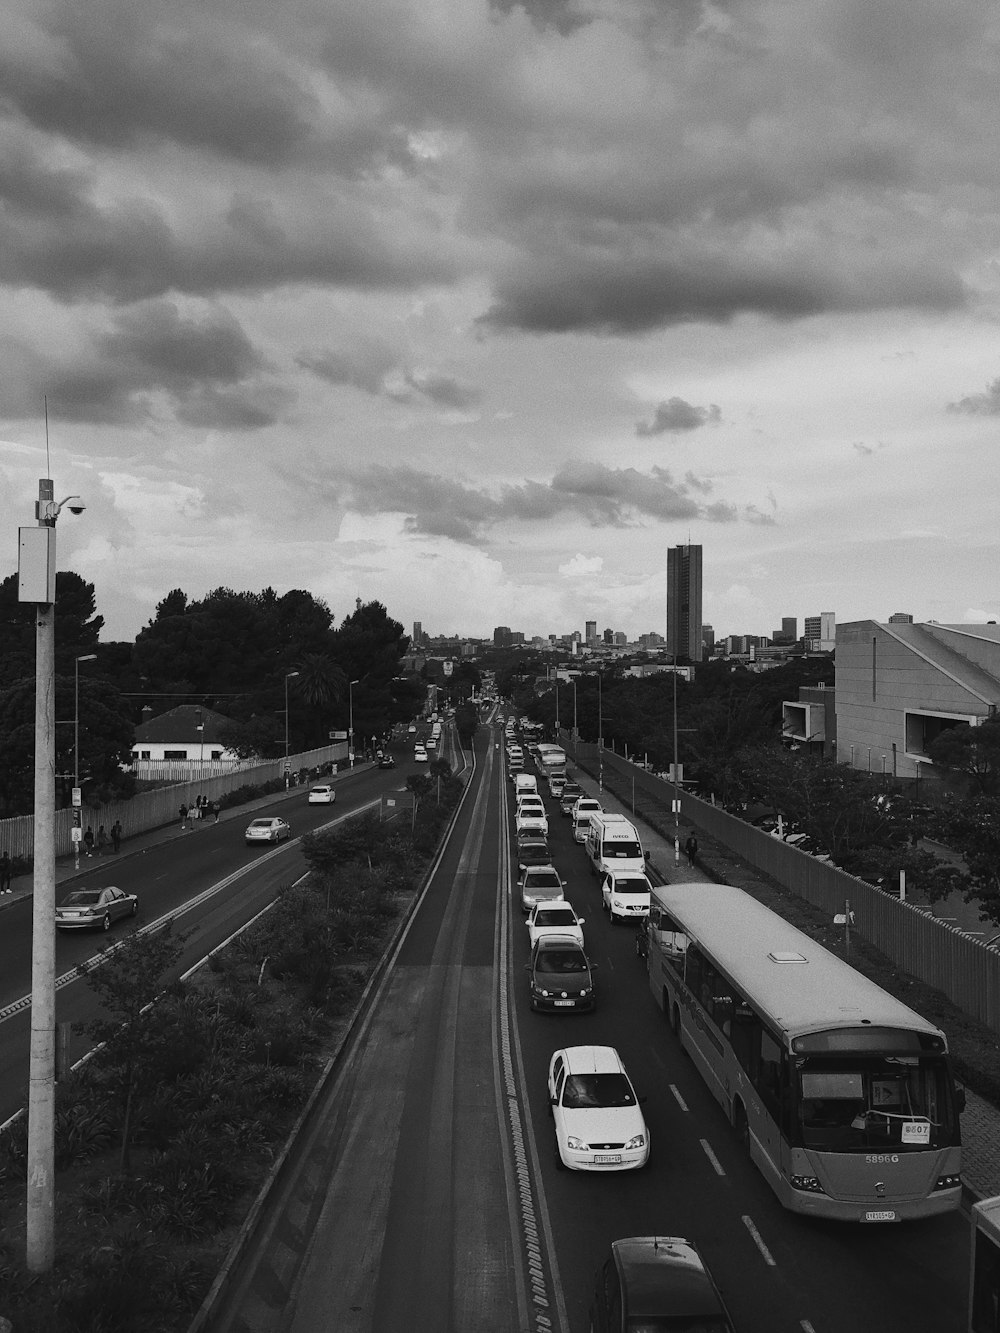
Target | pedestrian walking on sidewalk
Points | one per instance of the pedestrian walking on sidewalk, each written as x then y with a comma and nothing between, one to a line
88,841
691,847
216,810
183,812
6,867
116,835
102,840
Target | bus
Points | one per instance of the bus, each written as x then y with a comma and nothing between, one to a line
842,1095
984,1281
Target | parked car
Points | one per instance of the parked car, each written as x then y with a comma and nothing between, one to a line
322,796
539,884
270,829
85,909
558,918
559,976
598,1123
656,1282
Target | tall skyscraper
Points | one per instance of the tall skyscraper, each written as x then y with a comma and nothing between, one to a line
418,633
591,633
684,639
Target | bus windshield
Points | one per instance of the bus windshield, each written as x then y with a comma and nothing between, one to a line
861,1102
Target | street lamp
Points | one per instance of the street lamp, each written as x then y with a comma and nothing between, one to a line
289,675
36,583
201,749
600,737
78,830
350,719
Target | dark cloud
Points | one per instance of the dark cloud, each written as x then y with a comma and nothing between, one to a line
375,368
618,289
601,496
675,415
980,404
156,363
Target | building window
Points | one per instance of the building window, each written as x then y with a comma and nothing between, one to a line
216,754
175,754
924,727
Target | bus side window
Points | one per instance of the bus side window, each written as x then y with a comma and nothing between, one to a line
769,1080
745,1038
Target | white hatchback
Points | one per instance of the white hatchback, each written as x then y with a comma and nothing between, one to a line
322,796
598,1123
558,918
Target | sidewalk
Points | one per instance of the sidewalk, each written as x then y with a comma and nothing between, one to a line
22,886
980,1119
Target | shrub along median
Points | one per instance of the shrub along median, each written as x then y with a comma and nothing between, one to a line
165,1136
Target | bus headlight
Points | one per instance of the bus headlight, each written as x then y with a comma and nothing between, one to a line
810,1184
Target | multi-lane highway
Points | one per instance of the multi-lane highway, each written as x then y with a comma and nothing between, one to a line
427,1195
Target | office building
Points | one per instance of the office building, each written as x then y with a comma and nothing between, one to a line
819,633
418,633
591,631
900,618
684,630
501,636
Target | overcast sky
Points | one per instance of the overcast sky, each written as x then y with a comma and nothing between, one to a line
477,309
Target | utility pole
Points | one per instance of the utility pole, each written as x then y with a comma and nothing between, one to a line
37,584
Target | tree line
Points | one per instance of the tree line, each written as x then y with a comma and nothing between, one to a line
229,651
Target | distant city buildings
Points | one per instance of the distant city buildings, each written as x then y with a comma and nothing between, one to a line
900,618
819,633
684,630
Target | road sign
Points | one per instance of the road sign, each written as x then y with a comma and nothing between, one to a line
77,798
76,833
286,766
338,735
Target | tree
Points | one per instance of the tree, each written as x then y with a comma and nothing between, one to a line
126,978
77,623
971,751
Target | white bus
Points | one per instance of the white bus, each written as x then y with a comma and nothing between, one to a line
842,1094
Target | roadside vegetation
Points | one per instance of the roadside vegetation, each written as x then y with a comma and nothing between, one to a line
165,1136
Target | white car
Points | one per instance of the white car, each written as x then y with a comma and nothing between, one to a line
531,819
625,895
322,796
420,754
267,830
558,918
598,1123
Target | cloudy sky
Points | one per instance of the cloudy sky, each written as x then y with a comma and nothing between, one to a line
476,308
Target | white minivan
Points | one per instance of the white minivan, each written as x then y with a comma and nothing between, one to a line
613,844
525,784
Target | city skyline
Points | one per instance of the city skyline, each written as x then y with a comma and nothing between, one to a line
477,310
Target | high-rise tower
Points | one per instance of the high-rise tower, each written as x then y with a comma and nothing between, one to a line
684,603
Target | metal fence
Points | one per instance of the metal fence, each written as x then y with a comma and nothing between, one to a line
937,953
153,809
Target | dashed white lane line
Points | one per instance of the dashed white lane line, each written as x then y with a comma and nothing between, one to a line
678,1098
706,1147
758,1240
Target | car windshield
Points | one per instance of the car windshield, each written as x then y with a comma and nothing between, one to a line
82,898
613,851
555,916
596,1090
624,886
560,960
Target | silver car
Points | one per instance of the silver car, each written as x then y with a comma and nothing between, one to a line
85,909
267,830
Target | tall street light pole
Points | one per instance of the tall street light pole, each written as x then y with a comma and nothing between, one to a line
350,720
37,584
78,828
201,748
600,736
677,797
289,675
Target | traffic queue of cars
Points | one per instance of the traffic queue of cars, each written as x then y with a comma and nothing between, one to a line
646,1281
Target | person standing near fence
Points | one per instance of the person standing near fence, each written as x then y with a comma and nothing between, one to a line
6,869
691,847
88,841
102,840
116,836
183,812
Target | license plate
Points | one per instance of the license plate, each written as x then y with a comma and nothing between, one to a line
883,1216
564,1004
607,1159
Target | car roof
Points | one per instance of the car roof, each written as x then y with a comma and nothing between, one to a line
592,1060
660,1269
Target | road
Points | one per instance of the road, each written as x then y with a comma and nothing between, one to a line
427,1197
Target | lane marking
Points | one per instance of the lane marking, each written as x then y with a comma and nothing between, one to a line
679,1099
720,1170
758,1240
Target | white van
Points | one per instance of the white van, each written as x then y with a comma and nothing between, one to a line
525,783
613,844
584,807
